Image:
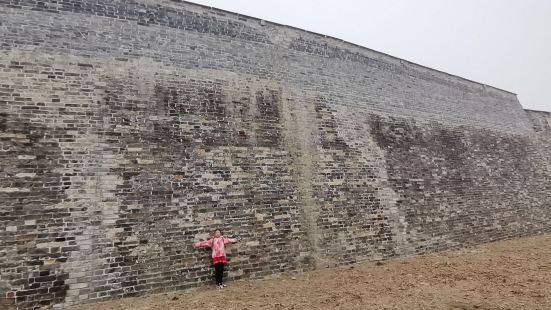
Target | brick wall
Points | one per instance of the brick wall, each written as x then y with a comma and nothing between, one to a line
130,129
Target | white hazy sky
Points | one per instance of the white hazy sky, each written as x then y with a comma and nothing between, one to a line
502,43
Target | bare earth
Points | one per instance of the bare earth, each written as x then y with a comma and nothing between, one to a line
512,274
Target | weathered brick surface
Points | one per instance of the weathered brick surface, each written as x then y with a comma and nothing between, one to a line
130,129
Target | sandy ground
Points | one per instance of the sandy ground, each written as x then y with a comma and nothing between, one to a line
512,275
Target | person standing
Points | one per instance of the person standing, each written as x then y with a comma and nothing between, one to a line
218,245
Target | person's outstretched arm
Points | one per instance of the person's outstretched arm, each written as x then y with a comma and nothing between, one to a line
229,240
205,244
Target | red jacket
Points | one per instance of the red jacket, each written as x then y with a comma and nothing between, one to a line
218,246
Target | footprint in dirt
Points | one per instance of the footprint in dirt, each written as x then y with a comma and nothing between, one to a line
462,306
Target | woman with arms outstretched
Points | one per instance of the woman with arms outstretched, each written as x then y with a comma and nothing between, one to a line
218,246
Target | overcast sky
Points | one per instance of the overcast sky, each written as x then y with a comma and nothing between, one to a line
503,43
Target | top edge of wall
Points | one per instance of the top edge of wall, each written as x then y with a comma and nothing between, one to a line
391,57
538,111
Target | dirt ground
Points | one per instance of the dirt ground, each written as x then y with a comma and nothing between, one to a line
513,274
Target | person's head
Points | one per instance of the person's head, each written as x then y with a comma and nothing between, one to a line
217,233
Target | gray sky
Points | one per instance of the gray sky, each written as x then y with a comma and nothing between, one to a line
503,43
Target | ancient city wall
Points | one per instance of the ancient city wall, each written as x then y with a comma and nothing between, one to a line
129,129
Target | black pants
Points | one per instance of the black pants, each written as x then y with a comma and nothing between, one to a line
219,273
